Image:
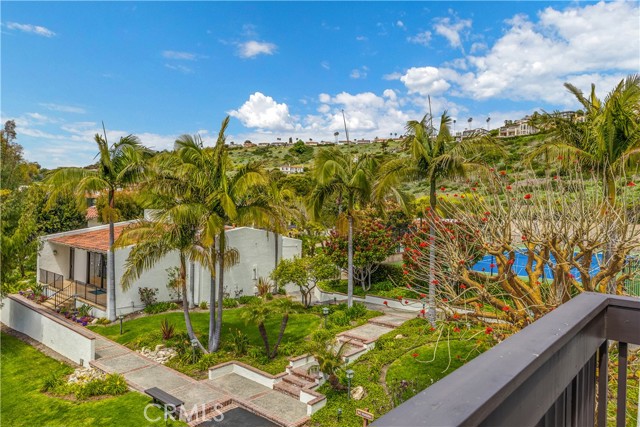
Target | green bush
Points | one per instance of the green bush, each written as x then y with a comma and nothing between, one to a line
111,384
339,318
229,303
203,305
160,307
269,296
240,342
51,382
211,359
148,295
167,329
247,299
356,311
388,272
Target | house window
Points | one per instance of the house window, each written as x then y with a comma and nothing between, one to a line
97,269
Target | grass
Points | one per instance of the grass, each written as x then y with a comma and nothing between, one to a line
145,331
395,356
24,370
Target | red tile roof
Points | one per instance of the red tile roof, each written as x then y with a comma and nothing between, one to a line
90,240
92,213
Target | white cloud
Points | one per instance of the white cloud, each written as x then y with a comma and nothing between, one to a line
361,38
422,38
172,54
359,73
425,81
400,24
179,67
29,28
392,76
451,30
62,108
325,65
253,48
263,112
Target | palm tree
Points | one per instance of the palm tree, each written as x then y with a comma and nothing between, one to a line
225,196
257,314
337,173
280,198
431,159
118,166
283,306
329,360
173,229
608,137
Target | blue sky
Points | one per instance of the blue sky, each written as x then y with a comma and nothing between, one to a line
287,69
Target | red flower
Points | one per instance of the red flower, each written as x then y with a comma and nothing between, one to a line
456,316
422,311
505,308
492,170
560,157
385,303
527,196
510,262
414,355
423,244
405,272
455,195
508,187
631,184
399,298
456,329
435,281
488,330
408,286
463,286
432,328
503,173
556,177
442,188
473,188
406,302
423,295
524,238
444,300
487,213
492,265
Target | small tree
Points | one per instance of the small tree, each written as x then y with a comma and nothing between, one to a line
304,273
260,312
372,242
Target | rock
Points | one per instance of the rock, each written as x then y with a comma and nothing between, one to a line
159,347
399,336
357,393
94,321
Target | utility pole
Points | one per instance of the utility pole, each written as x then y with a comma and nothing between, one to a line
346,131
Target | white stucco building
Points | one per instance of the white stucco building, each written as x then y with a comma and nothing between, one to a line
75,263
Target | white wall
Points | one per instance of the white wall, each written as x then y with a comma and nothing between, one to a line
156,277
69,340
58,263
257,259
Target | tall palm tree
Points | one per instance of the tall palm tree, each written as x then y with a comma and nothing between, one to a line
226,196
339,174
172,229
118,166
607,138
432,157
281,199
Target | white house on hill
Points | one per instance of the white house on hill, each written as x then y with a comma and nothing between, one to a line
75,263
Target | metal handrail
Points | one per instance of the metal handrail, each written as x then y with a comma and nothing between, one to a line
548,374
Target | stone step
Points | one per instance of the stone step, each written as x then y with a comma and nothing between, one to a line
354,339
297,381
288,389
303,373
383,322
352,350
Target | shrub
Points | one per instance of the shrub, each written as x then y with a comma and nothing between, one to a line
229,303
240,342
210,359
84,310
269,296
203,305
167,329
103,321
159,307
356,311
389,272
247,299
148,295
339,318
115,384
51,382
263,286
111,384
173,284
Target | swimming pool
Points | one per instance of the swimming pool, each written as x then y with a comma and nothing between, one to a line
520,263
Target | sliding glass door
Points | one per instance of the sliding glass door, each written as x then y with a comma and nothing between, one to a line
97,269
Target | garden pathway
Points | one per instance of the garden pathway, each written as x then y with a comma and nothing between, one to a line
362,338
228,391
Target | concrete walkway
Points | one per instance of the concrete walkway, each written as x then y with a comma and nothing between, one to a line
225,392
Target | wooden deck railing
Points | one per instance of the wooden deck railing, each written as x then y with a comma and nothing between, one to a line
552,373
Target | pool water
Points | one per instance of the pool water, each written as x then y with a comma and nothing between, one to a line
520,263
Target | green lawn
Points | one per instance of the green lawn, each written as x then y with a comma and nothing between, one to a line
24,370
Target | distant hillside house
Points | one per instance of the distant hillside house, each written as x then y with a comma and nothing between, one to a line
471,133
75,262
248,144
311,143
288,169
517,128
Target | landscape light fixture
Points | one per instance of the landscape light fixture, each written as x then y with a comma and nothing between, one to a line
325,312
349,376
121,317
339,413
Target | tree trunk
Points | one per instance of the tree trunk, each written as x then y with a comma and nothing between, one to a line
432,254
218,309
283,326
335,383
350,264
276,235
192,300
111,263
212,312
265,338
185,302
610,191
